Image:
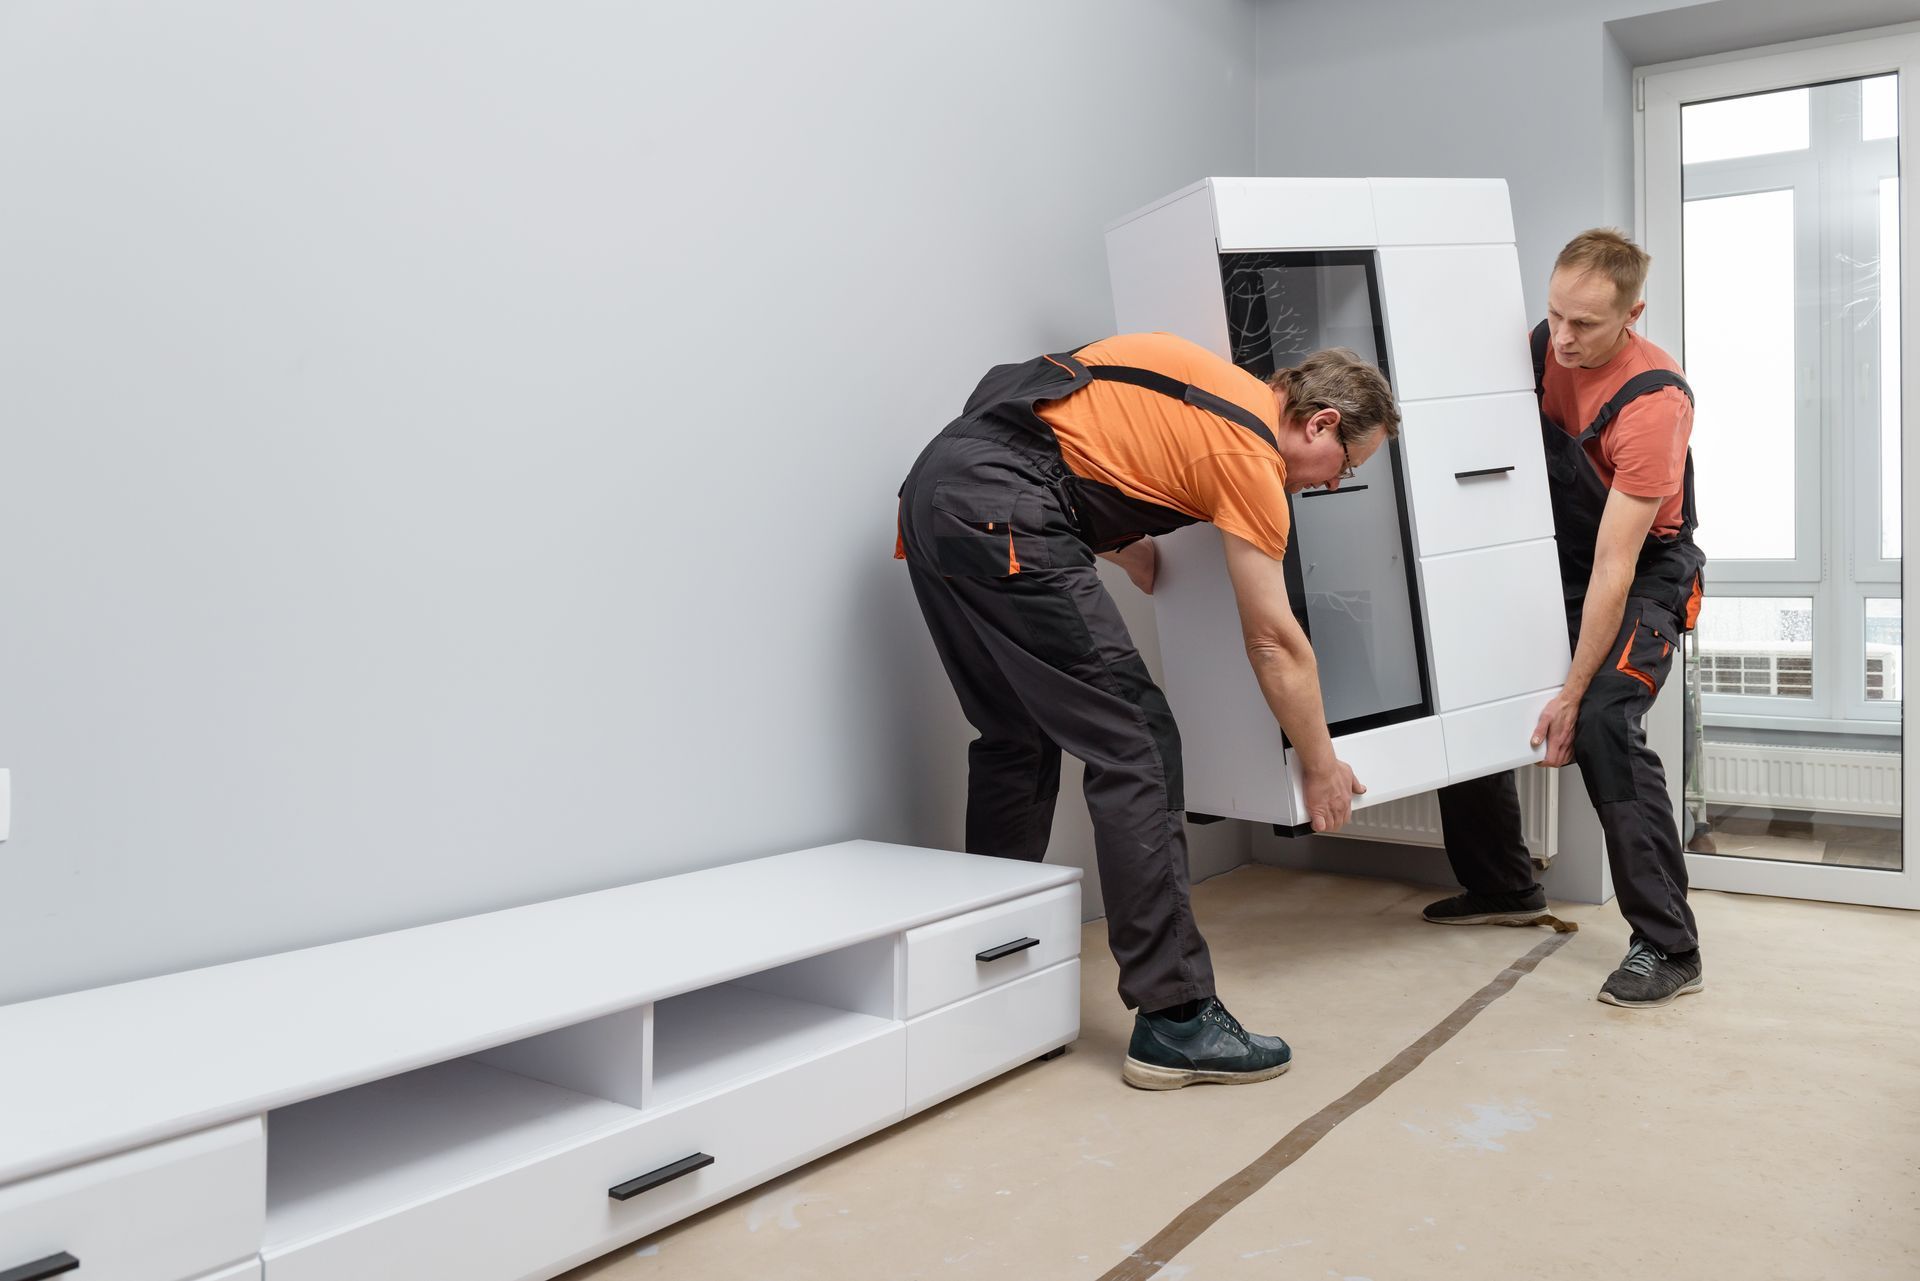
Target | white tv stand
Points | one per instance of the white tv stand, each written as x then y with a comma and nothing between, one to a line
505,1096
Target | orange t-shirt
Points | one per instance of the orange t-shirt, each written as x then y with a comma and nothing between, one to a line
1643,452
1152,447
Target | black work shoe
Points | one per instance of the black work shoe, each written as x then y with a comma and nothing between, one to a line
1649,977
1488,909
1209,1048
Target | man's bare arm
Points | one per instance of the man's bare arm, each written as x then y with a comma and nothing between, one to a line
1141,561
1289,678
1623,531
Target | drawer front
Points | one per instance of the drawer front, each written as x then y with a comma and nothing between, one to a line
952,959
1391,762
1456,321
1477,476
957,1048
159,1213
1494,736
553,1209
1293,213
1442,211
1496,624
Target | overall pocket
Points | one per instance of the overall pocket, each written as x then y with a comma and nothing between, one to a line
985,531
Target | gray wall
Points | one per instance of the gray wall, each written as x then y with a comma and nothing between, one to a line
447,450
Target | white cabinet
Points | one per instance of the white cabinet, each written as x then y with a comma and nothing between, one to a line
502,1097
1429,583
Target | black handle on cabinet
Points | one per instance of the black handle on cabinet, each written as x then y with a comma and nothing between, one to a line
1331,493
1484,471
39,1270
647,1182
1006,949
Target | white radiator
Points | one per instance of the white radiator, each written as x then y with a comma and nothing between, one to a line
1803,778
1415,820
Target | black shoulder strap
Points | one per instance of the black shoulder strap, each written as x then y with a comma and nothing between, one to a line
1539,344
1633,389
1186,392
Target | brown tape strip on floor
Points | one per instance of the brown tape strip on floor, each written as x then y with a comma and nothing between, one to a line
1144,1262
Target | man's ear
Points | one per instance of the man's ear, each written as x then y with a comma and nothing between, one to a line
1323,420
1633,313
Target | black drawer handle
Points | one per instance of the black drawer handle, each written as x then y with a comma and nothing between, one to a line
1484,471
647,1182
1006,949
51,1266
1331,493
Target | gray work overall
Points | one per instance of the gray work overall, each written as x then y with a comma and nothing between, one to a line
1625,780
1000,538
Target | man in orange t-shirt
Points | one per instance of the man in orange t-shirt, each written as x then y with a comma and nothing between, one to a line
1065,457
1616,416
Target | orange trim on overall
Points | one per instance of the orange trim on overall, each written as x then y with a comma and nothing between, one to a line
1013,562
1057,365
1624,666
1693,606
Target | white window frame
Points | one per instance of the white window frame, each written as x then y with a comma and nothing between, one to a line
1660,91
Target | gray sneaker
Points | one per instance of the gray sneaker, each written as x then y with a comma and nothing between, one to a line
1648,977
1488,909
1209,1048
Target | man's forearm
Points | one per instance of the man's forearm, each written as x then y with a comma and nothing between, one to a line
1290,681
1600,617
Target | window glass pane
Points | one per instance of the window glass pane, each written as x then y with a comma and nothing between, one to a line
1738,277
1879,108
1883,650
1753,126
1757,646
1889,290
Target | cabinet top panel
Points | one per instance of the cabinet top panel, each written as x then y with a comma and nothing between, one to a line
115,1067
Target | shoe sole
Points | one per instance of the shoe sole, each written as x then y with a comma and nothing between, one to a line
1668,999
1146,1076
1530,917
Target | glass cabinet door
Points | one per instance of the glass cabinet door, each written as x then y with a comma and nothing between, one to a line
1350,568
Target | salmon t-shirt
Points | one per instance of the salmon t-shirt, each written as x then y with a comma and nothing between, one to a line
1643,452
1160,450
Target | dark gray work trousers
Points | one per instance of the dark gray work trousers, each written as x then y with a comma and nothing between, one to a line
1480,819
1041,661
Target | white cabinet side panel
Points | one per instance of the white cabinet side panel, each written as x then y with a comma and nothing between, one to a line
1496,625
1456,321
1166,274
1442,211
1230,744
1493,737
1294,213
1445,442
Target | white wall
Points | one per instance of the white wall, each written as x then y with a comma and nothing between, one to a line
447,450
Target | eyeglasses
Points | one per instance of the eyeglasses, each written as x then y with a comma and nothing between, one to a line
1346,472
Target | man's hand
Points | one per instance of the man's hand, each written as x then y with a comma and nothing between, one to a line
1555,728
1329,796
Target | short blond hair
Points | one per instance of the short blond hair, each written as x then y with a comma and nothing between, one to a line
1339,379
1608,251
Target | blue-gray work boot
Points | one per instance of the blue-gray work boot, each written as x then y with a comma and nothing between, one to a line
1648,977
1209,1048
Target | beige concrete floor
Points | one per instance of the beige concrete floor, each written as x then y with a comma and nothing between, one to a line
1768,1127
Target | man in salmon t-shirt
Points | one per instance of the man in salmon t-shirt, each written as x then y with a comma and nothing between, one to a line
1065,457
1616,415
